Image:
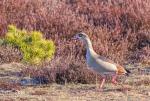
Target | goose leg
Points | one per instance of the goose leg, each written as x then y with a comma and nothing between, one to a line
124,89
114,79
102,84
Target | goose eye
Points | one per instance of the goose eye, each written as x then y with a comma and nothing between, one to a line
80,35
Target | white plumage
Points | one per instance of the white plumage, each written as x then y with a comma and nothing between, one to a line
100,64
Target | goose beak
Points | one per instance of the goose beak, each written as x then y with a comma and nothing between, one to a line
75,37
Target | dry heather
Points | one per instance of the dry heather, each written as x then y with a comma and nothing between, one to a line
9,54
119,30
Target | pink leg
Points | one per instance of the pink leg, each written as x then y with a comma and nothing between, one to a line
116,83
103,81
114,79
101,85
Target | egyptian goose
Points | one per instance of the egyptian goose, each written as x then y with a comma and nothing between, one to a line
99,64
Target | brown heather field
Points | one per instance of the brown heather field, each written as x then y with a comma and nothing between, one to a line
119,30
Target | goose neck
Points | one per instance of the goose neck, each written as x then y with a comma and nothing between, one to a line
89,46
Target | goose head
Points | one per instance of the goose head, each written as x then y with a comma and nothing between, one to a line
81,36
84,38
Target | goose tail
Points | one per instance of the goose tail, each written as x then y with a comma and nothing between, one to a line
127,72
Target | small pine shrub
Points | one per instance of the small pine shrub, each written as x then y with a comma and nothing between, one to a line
34,47
1,41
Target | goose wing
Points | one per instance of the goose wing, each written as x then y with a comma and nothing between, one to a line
106,59
120,70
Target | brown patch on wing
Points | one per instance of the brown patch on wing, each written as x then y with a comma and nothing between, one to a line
120,70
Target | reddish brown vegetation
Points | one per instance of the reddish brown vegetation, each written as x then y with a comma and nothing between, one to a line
74,72
9,86
119,29
9,54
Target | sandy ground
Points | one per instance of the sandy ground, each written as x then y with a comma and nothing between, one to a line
138,85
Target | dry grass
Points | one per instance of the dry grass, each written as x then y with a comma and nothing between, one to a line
78,92
10,89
